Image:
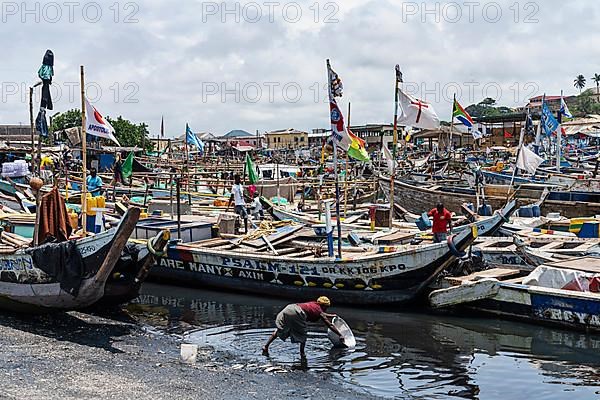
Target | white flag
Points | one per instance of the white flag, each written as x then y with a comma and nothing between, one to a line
528,160
97,125
416,113
389,159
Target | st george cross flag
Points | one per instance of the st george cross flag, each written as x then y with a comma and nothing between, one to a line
97,125
528,160
416,113
549,122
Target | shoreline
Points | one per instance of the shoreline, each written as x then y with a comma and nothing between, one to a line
74,356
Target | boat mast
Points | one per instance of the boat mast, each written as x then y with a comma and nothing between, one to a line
83,153
559,135
335,169
394,144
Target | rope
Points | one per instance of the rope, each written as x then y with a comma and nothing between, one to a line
266,228
153,251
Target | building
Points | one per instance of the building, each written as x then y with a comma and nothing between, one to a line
291,139
317,137
241,139
535,103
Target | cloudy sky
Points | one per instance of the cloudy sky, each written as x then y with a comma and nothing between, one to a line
260,65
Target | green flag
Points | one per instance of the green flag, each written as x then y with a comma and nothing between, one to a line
128,166
252,177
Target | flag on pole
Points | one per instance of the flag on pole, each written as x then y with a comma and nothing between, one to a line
549,122
407,133
399,74
336,87
507,135
528,160
564,109
97,125
461,115
251,169
127,167
389,159
416,113
191,138
357,148
162,127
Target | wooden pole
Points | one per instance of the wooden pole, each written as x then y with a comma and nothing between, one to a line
32,129
346,175
394,145
83,153
335,171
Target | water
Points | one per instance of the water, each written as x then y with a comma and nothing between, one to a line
398,354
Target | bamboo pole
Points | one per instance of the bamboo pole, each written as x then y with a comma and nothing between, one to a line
395,144
346,175
83,153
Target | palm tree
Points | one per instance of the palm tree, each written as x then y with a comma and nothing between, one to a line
596,79
579,82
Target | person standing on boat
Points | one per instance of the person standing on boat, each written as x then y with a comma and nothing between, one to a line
442,223
291,322
94,183
237,196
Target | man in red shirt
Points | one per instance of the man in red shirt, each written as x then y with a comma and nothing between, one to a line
442,222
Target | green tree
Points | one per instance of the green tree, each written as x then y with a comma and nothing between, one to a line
67,119
579,82
596,79
130,134
487,108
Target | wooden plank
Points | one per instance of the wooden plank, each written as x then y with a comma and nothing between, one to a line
497,273
465,293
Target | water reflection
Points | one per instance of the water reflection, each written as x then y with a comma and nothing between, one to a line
398,354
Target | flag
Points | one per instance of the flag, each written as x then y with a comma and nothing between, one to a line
549,123
389,159
162,127
251,169
417,113
460,114
507,135
357,149
41,125
339,136
564,109
97,125
336,87
477,134
127,167
407,133
399,74
528,160
191,138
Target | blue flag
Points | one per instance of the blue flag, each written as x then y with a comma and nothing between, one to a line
191,138
549,122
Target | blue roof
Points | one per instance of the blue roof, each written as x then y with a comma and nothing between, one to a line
237,133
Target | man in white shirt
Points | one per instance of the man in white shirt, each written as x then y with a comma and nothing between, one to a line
257,209
237,195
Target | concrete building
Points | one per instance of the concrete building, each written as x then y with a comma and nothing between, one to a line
291,139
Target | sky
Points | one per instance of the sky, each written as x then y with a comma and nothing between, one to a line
260,65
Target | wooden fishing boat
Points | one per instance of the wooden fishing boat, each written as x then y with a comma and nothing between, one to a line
545,296
371,275
64,276
416,198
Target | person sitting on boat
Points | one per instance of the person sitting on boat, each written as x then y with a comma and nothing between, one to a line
94,183
237,195
257,208
291,322
442,223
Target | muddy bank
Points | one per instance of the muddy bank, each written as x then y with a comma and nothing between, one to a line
75,355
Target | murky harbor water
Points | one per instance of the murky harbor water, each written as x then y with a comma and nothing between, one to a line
398,354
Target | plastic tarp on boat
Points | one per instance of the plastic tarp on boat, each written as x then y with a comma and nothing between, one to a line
560,278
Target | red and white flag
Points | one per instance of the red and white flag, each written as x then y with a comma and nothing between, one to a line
416,113
97,125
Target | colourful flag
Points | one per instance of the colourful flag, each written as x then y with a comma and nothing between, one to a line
357,148
461,115
127,167
251,170
564,109
191,138
507,135
97,125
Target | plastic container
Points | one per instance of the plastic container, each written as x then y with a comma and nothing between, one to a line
73,220
189,353
526,212
535,209
342,326
423,222
320,229
485,210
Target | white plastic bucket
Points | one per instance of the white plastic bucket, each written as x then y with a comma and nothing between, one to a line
189,353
